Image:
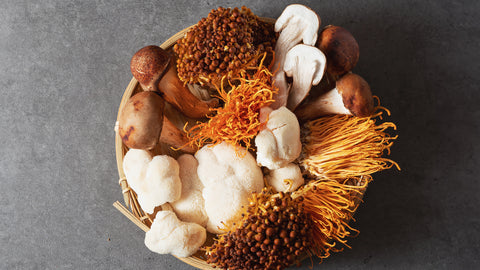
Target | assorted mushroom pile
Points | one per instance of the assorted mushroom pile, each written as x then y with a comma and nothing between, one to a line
283,86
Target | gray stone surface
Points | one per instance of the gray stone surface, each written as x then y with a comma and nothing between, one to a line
65,64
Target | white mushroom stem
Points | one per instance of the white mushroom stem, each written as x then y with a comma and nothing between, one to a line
306,64
296,23
352,96
329,103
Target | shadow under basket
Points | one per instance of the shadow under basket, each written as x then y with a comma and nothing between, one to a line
132,209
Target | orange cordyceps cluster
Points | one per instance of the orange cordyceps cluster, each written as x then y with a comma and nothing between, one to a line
238,121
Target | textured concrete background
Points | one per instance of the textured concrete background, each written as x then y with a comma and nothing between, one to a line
65,64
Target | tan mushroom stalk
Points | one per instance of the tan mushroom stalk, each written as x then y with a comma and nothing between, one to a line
340,48
352,96
142,124
155,71
296,23
175,137
306,65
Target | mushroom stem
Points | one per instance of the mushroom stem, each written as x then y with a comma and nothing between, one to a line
289,37
175,137
352,96
181,98
300,87
329,103
281,96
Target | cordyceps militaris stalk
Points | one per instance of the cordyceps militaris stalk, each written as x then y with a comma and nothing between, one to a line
238,121
330,206
344,147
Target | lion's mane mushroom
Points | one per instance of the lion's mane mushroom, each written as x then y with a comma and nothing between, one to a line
279,143
306,65
170,235
191,205
296,23
340,48
155,71
142,124
155,180
229,180
352,95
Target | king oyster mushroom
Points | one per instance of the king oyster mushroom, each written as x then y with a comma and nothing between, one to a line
296,23
352,96
155,71
306,65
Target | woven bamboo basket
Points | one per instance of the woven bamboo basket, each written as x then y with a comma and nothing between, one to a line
132,209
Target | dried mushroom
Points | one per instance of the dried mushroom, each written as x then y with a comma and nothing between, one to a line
274,232
224,43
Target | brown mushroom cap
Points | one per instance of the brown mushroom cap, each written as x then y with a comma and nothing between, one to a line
356,95
141,120
340,48
148,65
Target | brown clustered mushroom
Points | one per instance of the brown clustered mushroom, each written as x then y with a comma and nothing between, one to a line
223,43
274,233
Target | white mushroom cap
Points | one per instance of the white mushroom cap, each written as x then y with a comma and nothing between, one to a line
297,23
306,64
285,179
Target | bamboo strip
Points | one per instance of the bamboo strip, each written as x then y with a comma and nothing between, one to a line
130,216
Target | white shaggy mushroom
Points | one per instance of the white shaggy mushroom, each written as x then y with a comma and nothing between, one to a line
170,235
279,143
191,205
155,180
229,177
285,179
